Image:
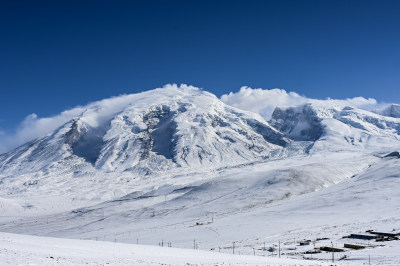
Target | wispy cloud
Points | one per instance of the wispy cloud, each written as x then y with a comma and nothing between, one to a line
33,127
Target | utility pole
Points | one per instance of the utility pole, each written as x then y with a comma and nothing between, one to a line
279,248
194,244
333,253
233,247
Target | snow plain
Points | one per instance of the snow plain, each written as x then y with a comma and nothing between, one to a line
33,250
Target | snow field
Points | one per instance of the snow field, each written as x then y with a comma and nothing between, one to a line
33,250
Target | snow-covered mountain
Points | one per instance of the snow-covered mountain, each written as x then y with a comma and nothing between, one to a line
178,127
161,163
183,129
157,130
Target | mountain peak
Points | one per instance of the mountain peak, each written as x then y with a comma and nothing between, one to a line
165,128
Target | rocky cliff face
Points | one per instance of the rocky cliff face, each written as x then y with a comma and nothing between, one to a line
298,123
392,111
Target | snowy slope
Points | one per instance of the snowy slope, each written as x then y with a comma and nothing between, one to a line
252,216
192,197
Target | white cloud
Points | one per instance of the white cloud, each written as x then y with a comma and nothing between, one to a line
33,127
264,102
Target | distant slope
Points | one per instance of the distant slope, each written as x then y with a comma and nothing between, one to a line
392,110
337,128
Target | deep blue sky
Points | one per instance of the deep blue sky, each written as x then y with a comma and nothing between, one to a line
58,54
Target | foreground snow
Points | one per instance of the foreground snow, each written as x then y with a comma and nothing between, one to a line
34,250
368,200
